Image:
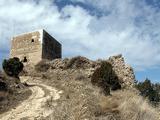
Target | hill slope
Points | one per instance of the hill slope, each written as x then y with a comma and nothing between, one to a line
63,91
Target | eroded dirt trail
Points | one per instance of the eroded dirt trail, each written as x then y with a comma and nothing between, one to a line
32,108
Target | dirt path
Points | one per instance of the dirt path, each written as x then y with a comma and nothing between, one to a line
32,107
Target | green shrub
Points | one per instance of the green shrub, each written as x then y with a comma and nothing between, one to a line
3,86
105,78
149,90
12,66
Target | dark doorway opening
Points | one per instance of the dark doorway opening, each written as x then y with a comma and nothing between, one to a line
32,40
24,59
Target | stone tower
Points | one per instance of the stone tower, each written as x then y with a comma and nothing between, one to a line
34,46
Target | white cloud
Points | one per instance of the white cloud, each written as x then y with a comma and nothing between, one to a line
129,27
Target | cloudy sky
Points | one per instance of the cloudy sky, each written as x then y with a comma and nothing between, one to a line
91,28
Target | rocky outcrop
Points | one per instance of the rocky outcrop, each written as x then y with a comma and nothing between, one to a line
78,62
124,72
59,63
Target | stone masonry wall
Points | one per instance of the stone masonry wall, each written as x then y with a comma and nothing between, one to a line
124,72
51,47
27,45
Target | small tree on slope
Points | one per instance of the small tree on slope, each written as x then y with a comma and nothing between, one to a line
12,67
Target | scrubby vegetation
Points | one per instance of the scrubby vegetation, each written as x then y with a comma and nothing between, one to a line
105,78
12,66
42,66
11,93
81,100
3,86
149,90
81,95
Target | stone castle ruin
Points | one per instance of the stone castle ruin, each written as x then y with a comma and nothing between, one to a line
34,46
38,45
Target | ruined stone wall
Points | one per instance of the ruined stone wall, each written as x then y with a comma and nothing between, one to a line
124,72
27,45
51,47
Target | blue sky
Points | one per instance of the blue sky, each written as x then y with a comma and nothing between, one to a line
94,28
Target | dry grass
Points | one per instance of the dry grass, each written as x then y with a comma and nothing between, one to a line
128,106
78,100
134,107
79,108
11,93
82,101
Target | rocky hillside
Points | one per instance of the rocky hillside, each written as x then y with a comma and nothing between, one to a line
62,90
123,71
11,94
